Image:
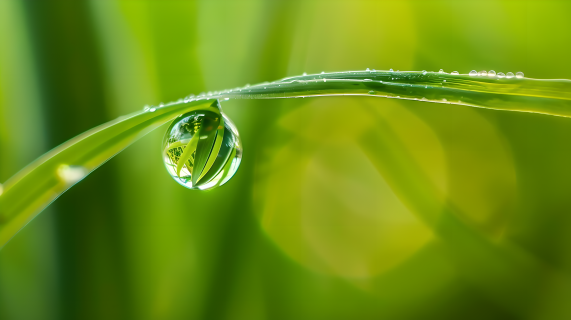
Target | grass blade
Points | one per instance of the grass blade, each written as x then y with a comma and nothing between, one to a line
35,187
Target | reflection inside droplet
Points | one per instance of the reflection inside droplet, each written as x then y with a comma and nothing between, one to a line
202,149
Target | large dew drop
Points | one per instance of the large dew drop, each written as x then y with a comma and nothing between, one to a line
202,149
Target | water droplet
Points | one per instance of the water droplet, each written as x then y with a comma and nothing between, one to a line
304,74
152,109
440,71
70,175
374,70
444,100
509,75
491,73
391,70
501,75
202,149
423,71
483,73
370,92
322,72
367,69
473,73
519,75
146,108
444,80
264,87
455,73
160,105
324,80
226,99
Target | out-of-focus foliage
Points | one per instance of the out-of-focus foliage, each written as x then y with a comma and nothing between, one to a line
313,225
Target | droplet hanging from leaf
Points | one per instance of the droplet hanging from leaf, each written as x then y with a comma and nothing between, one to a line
202,148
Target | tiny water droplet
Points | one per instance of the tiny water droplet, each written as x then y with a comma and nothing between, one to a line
367,69
483,73
146,108
264,87
519,75
304,74
202,148
71,174
322,72
324,80
444,80
441,71
491,73
423,71
501,75
374,70
152,109
370,92
391,70
473,73
161,105
455,73
509,75
444,100
226,99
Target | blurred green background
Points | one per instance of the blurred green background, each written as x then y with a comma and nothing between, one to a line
309,228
